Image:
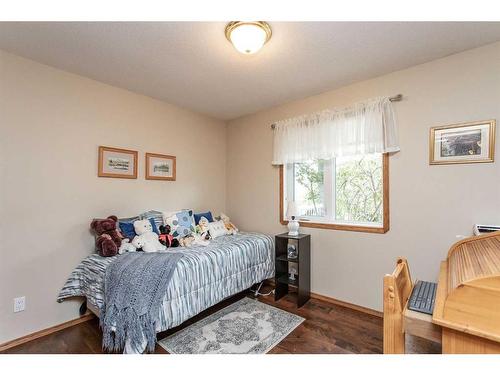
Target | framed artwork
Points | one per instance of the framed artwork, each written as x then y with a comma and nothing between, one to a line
160,167
472,142
117,163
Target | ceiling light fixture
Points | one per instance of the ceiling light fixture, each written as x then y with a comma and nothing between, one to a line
248,36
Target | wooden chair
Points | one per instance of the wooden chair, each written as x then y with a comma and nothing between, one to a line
399,320
397,290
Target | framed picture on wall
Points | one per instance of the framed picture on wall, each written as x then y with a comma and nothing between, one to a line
160,167
117,163
472,142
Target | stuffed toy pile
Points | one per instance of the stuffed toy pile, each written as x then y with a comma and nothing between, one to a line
110,241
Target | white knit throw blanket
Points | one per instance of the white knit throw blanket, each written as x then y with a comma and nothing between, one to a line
134,287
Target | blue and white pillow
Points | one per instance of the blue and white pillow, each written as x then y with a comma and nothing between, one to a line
207,215
128,230
157,216
126,226
181,223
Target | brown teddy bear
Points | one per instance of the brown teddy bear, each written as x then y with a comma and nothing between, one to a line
108,238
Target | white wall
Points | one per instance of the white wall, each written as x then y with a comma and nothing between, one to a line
52,123
430,205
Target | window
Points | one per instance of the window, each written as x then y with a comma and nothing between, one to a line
347,193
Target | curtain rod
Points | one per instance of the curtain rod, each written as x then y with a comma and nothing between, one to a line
395,98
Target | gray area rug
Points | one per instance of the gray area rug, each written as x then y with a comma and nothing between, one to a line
245,327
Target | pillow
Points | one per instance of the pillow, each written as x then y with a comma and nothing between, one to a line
154,227
157,216
126,226
207,215
217,229
181,223
128,231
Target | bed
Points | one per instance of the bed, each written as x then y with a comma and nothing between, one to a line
203,277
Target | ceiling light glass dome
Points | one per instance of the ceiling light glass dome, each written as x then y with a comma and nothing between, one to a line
248,37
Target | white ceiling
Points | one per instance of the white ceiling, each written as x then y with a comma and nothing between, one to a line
192,65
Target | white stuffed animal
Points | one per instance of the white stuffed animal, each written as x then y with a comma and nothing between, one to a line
231,228
126,247
146,238
138,242
203,228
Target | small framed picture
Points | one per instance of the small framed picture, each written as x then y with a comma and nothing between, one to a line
117,163
160,167
472,142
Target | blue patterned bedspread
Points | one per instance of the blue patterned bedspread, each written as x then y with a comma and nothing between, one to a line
202,278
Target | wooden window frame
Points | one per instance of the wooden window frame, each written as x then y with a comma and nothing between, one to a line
348,227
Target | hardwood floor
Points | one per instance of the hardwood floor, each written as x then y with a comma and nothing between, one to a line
328,328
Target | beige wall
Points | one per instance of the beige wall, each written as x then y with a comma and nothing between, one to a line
51,124
429,205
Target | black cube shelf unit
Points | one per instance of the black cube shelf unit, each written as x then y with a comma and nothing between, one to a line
302,283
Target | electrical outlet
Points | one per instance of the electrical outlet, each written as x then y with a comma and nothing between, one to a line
19,304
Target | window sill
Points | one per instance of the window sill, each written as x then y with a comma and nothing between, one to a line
346,227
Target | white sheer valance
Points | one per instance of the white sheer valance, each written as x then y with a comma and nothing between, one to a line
364,128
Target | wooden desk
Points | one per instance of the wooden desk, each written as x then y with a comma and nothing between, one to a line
469,315
466,316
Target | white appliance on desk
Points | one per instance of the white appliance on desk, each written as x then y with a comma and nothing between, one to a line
483,229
